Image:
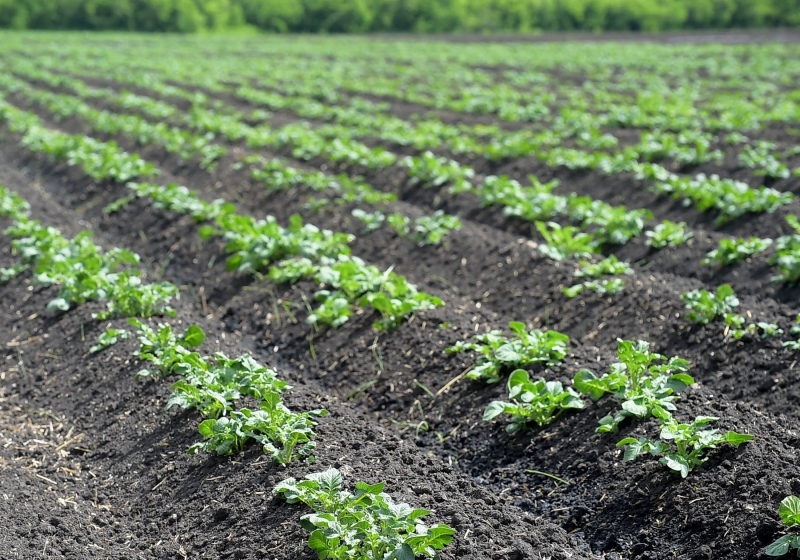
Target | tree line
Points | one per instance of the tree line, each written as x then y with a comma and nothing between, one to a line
426,16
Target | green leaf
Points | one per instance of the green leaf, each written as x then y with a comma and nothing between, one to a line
318,542
194,337
206,428
677,463
586,382
58,304
634,449
780,547
789,510
493,410
737,439
404,553
635,408
679,381
365,488
507,355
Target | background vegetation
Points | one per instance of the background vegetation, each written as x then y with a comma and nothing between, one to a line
397,15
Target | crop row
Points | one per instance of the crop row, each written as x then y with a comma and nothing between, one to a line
301,251
729,198
609,224
362,119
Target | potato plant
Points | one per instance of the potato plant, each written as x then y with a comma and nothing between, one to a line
364,525
682,446
704,306
539,402
643,387
496,353
789,512
733,251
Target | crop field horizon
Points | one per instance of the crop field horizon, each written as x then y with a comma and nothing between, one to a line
394,297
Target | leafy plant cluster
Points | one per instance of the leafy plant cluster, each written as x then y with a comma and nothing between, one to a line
496,353
275,174
434,171
765,160
212,385
668,234
705,307
609,266
733,251
82,270
346,280
427,230
730,198
363,525
789,512
646,388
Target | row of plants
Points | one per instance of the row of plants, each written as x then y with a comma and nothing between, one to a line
730,198
185,144
361,118
83,272
617,225
255,244
643,383
274,174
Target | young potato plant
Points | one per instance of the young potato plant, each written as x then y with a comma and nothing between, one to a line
430,230
645,389
83,272
212,385
283,434
682,446
539,401
787,254
365,525
434,171
566,242
789,512
533,203
764,159
496,352
168,352
371,220
733,251
609,266
108,338
704,306
212,389
601,287
668,234
349,280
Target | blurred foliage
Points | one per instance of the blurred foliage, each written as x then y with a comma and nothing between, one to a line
397,15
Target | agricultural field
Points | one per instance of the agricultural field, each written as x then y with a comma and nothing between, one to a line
374,298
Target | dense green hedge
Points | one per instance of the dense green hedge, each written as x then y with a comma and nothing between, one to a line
397,15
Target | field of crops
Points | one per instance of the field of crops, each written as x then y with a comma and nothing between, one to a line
267,297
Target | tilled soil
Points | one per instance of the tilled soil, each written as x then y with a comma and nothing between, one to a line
126,489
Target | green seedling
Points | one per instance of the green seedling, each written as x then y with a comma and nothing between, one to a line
539,402
365,525
644,389
682,446
789,512
496,352
704,306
